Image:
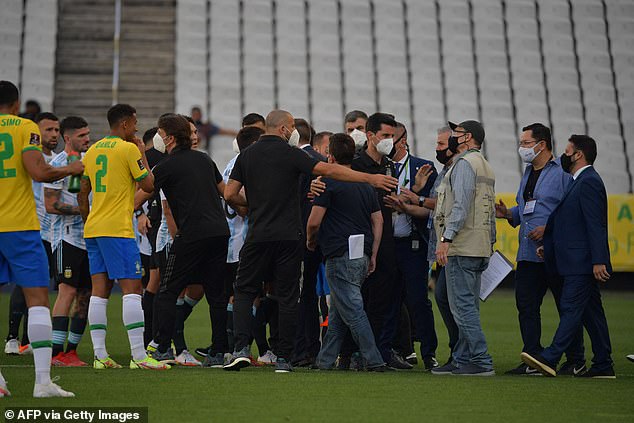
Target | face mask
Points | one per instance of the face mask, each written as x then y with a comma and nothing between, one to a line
454,144
159,144
527,154
566,162
441,156
359,138
234,146
294,138
385,146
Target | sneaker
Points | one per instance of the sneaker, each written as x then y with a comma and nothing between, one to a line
150,349
166,358
26,350
283,366
202,351
538,362
629,357
572,369
343,363
267,358
444,370
12,347
58,360
186,359
397,362
430,363
216,361
149,363
593,373
50,390
356,362
72,360
412,359
523,369
239,359
4,391
106,363
384,368
473,370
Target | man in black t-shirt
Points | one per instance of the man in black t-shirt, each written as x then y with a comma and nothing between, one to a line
192,185
269,171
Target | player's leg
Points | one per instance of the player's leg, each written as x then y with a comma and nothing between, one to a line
65,297
17,309
79,313
184,308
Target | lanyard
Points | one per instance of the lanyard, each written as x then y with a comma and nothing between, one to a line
403,167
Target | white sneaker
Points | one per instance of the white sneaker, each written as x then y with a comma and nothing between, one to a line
268,358
186,359
50,390
629,357
12,347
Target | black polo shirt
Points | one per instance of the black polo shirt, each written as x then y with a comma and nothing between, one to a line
269,170
189,180
155,212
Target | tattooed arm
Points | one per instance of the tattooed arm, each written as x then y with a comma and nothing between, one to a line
54,205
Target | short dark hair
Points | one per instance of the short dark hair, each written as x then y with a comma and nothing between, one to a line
248,135
376,120
586,145
342,148
196,109
541,133
189,119
45,115
119,112
149,134
72,123
319,136
252,119
178,127
306,131
9,93
354,115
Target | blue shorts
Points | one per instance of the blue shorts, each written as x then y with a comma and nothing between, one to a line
23,259
118,257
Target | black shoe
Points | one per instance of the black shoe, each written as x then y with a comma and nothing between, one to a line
572,369
536,361
343,363
397,362
598,374
523,370
304,362
630,357
357,362
202,351
430,363
412,359
381,369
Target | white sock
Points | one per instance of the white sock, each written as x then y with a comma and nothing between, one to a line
98,321
134,324
40,334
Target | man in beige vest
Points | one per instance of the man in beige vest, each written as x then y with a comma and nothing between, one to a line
465,227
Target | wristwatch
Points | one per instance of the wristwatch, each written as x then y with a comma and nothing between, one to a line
138,213
421,201
443,239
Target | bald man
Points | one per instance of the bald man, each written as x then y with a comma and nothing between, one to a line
269,170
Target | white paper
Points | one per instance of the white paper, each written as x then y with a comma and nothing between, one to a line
355,246
499,267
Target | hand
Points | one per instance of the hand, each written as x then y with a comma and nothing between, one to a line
76,167
441,253
311,245
409,196
384,182
143,224
140,144
394,202
600,272
537,234
317,186
540,252
501,211
422,176
372,264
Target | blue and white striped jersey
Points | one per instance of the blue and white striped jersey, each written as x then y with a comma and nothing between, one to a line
238,226
38,193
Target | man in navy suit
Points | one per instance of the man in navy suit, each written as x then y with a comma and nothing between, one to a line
576,248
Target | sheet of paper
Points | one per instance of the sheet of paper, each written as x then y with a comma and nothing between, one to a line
499,267
355,246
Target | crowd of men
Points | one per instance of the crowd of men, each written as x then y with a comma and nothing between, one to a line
302,230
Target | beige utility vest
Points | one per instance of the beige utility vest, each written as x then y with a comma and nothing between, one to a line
474,239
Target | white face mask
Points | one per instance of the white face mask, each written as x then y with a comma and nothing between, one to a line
159,145
235,147
527,154
384,147
294,138
359,138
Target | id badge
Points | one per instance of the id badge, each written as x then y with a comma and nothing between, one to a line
415,245
529,208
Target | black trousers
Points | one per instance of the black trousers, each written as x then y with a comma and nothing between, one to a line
280,263
307,343
201,261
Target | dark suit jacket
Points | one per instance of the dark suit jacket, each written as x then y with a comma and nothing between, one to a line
415,163
304,187
576,235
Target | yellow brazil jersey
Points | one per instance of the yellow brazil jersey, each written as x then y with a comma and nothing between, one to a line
17,205
112,165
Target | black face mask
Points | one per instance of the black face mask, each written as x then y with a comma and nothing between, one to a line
441,156
566,162
454,144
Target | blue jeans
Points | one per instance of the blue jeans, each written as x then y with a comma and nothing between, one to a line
345,278
463,290
442,302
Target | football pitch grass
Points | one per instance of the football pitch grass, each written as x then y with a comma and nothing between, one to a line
259,394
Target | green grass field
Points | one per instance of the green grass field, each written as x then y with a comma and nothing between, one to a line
258,394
